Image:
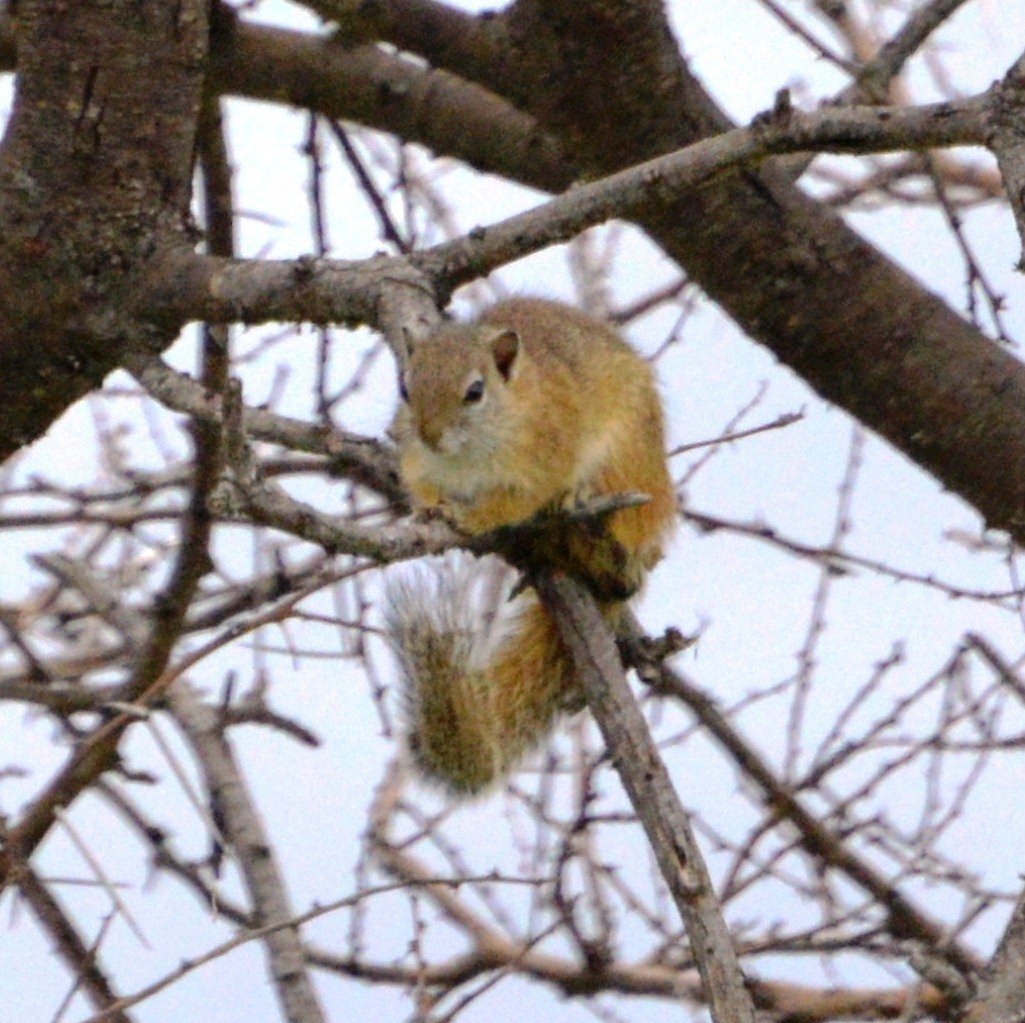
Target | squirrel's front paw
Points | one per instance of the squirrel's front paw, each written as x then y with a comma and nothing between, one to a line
435,513
442,512
429,513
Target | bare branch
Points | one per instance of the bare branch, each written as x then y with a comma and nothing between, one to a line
647,783
83,960
848,130
254,854
904,919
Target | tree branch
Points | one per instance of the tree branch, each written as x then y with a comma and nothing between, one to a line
86,195
364,460
386,91
253,852
1001,991
874,77
651,792
83,961
629,192
1008,142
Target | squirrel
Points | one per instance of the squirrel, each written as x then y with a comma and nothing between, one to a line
536,407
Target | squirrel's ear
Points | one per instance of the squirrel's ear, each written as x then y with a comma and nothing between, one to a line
505,347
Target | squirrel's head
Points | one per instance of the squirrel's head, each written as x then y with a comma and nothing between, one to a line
456,385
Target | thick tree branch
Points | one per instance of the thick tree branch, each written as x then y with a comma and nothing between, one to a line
87,194
332,76
852,324
457,39
215,289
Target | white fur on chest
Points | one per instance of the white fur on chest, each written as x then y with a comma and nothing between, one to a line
462,475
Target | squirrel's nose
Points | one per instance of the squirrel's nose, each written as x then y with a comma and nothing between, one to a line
429,430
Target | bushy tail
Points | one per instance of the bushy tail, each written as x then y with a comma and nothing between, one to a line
477,699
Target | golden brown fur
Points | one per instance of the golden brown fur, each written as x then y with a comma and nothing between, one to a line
536,406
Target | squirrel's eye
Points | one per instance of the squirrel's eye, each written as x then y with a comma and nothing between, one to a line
474,392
